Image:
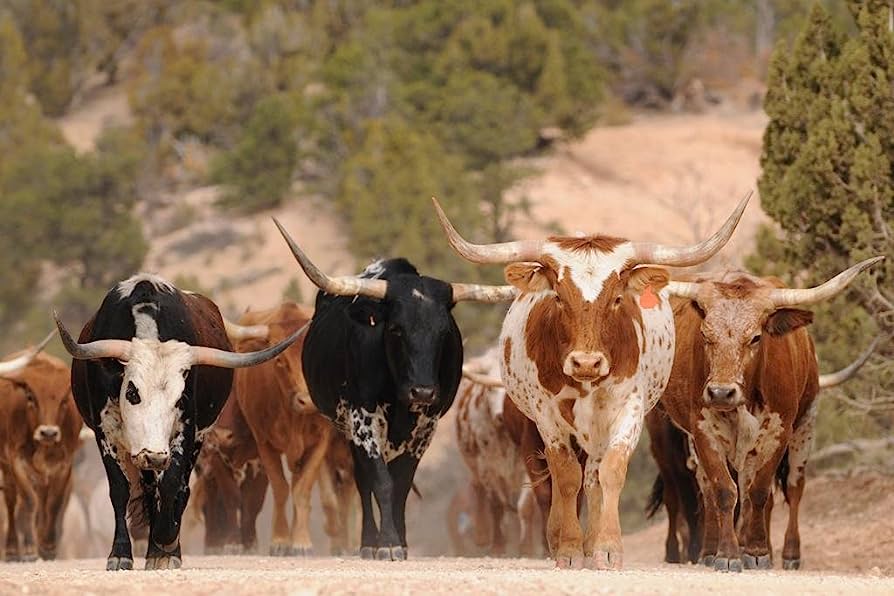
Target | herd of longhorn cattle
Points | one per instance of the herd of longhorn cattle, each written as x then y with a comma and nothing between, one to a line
598,340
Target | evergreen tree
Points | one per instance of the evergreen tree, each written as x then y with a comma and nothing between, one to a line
828,173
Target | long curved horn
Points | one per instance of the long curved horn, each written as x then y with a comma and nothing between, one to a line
503,252
16,364
685,256
483,293
683,289
227,359
238,332
340,286
846,373
101,348
482,379
790,297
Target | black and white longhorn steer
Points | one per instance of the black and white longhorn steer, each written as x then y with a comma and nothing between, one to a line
151,373
383,359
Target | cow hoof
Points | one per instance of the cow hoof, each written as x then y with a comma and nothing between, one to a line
119,564
706,560
10,557
605,560
391,553
570,562
232,549
278,549
29,557
213,550
164,562
302,552
757,561
368,552
47,554
724,565
791,564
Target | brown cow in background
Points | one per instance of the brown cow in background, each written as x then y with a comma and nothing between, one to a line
274,401
743,386
39,435
499,476
231,485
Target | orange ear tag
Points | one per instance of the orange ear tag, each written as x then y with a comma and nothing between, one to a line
648,299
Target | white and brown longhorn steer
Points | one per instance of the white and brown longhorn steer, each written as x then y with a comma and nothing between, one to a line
587,349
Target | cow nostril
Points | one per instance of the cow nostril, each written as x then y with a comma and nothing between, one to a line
721,392
422,393
151,460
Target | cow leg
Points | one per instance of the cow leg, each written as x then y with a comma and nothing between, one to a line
304,476
593,491
564,524
538,472
402,471
672,505
756,541
10,495
121,556
50,514
720,496
272,462
498,543
335,526
798,452
163,551
481,525
373,472
369,532
527,512
253,492
26,510
607,550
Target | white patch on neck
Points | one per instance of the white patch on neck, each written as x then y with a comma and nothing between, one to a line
126,287
417,294
156,369
590,269
146,326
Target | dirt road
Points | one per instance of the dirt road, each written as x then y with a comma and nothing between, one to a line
260,575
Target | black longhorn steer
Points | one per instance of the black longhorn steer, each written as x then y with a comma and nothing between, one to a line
150,376
383,359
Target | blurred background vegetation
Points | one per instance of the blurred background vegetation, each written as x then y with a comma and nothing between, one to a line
374,106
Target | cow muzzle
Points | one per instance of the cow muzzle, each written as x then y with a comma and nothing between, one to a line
723,396
586,367
152,460
47,434
423,395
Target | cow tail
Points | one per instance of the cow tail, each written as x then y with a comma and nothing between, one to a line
656,497
782,472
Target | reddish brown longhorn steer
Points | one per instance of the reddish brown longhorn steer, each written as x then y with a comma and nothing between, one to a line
494,460
743,385
274,400
676,486
587,349
39,435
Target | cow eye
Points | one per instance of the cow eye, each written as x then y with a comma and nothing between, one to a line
132,395
755,339
618,300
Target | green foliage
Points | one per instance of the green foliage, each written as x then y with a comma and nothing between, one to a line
258,169
828,173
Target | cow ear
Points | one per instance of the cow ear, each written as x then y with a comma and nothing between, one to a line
786,320
527,277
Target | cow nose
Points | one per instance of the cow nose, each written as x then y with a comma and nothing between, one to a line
423,394
48,433
722,394
152,460
586,366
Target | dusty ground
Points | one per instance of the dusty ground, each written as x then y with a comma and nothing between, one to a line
257,575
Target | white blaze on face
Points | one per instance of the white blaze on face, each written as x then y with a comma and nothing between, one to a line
157,370
590,269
